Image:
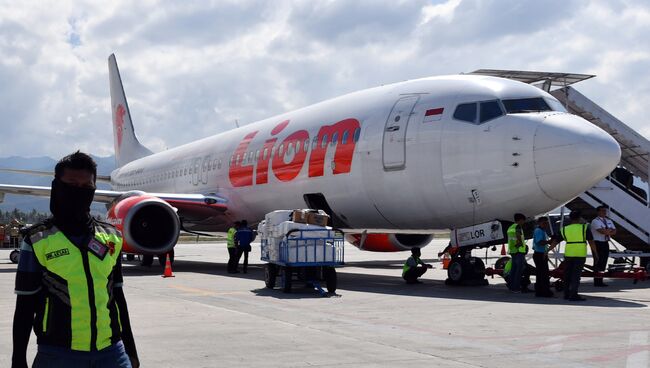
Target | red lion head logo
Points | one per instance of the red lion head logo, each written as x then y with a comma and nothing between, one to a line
119,123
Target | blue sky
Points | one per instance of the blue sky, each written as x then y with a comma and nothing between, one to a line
192,68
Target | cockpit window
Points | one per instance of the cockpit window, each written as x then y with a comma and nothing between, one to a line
520,105
490,110
555,104
466,112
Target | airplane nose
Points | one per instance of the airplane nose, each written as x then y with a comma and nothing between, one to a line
572,155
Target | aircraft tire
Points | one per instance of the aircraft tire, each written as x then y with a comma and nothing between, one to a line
500,264
147,260
477,270
458,270
270,274
330,279
14,256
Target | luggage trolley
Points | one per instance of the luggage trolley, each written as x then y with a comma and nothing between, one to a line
308,255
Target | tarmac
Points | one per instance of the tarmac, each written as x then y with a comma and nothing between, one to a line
205,317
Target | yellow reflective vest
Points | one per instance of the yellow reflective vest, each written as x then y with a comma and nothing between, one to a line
230,239
512,240
575,236
79,311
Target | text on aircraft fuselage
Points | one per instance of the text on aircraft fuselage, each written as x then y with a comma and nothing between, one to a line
342,136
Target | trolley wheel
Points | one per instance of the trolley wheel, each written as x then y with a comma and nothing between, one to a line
287,274
558,285
270,273
162,259
147,260
457,271
500,264
14,256
330,279
130,257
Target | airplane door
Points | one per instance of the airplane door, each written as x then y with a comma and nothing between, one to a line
394,141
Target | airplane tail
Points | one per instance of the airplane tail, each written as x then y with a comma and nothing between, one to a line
127,146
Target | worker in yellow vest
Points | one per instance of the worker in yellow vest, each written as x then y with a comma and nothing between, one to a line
517,249
232,247
577,235
69,281
414,267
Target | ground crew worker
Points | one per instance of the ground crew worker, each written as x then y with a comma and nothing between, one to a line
576,235
69,281
602,229
414,267
517,249
541,248
243,239
232,248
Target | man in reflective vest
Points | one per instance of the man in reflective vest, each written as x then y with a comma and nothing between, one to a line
517,249
69,281
577,235
232,248
414,267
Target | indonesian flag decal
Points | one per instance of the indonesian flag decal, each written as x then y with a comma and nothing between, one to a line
433,114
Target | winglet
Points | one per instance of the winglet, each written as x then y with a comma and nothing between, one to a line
127,146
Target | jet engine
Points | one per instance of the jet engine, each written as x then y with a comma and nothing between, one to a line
148,224
388,242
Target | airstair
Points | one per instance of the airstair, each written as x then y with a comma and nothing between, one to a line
625,191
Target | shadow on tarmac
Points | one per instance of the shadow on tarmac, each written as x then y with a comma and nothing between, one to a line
394,285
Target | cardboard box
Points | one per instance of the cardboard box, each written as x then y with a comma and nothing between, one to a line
319,218
300,216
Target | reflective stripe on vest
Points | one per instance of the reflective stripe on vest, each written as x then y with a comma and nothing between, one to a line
231,237
512,241
575,236
79,280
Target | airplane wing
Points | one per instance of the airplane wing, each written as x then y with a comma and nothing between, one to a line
191,207
100,178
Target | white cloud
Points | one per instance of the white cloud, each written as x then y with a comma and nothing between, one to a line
191,69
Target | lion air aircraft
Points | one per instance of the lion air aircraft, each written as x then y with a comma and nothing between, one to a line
394,163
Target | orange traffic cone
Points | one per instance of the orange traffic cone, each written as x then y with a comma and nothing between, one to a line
503,249
446,260
168,268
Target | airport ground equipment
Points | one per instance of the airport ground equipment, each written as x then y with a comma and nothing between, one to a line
623,267
300,252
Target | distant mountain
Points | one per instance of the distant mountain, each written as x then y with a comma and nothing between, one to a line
26,203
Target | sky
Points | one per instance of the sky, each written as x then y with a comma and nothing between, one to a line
192,69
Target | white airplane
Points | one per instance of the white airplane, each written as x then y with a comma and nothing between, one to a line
391,164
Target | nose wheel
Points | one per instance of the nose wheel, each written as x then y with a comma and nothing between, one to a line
466,271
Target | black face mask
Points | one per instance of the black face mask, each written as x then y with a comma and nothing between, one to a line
70,206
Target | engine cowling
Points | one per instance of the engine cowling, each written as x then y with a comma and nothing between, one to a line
388,242
148,224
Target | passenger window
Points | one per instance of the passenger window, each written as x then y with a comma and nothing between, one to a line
335,138
314,143
281,150
306,146
290,148
297,146
219,164
466,112
490,110
357,134
344,138
266,153
323,143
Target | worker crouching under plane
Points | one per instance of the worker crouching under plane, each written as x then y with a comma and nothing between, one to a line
414,267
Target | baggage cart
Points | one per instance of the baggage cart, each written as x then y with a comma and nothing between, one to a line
307,255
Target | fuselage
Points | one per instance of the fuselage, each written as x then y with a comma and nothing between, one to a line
416,156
